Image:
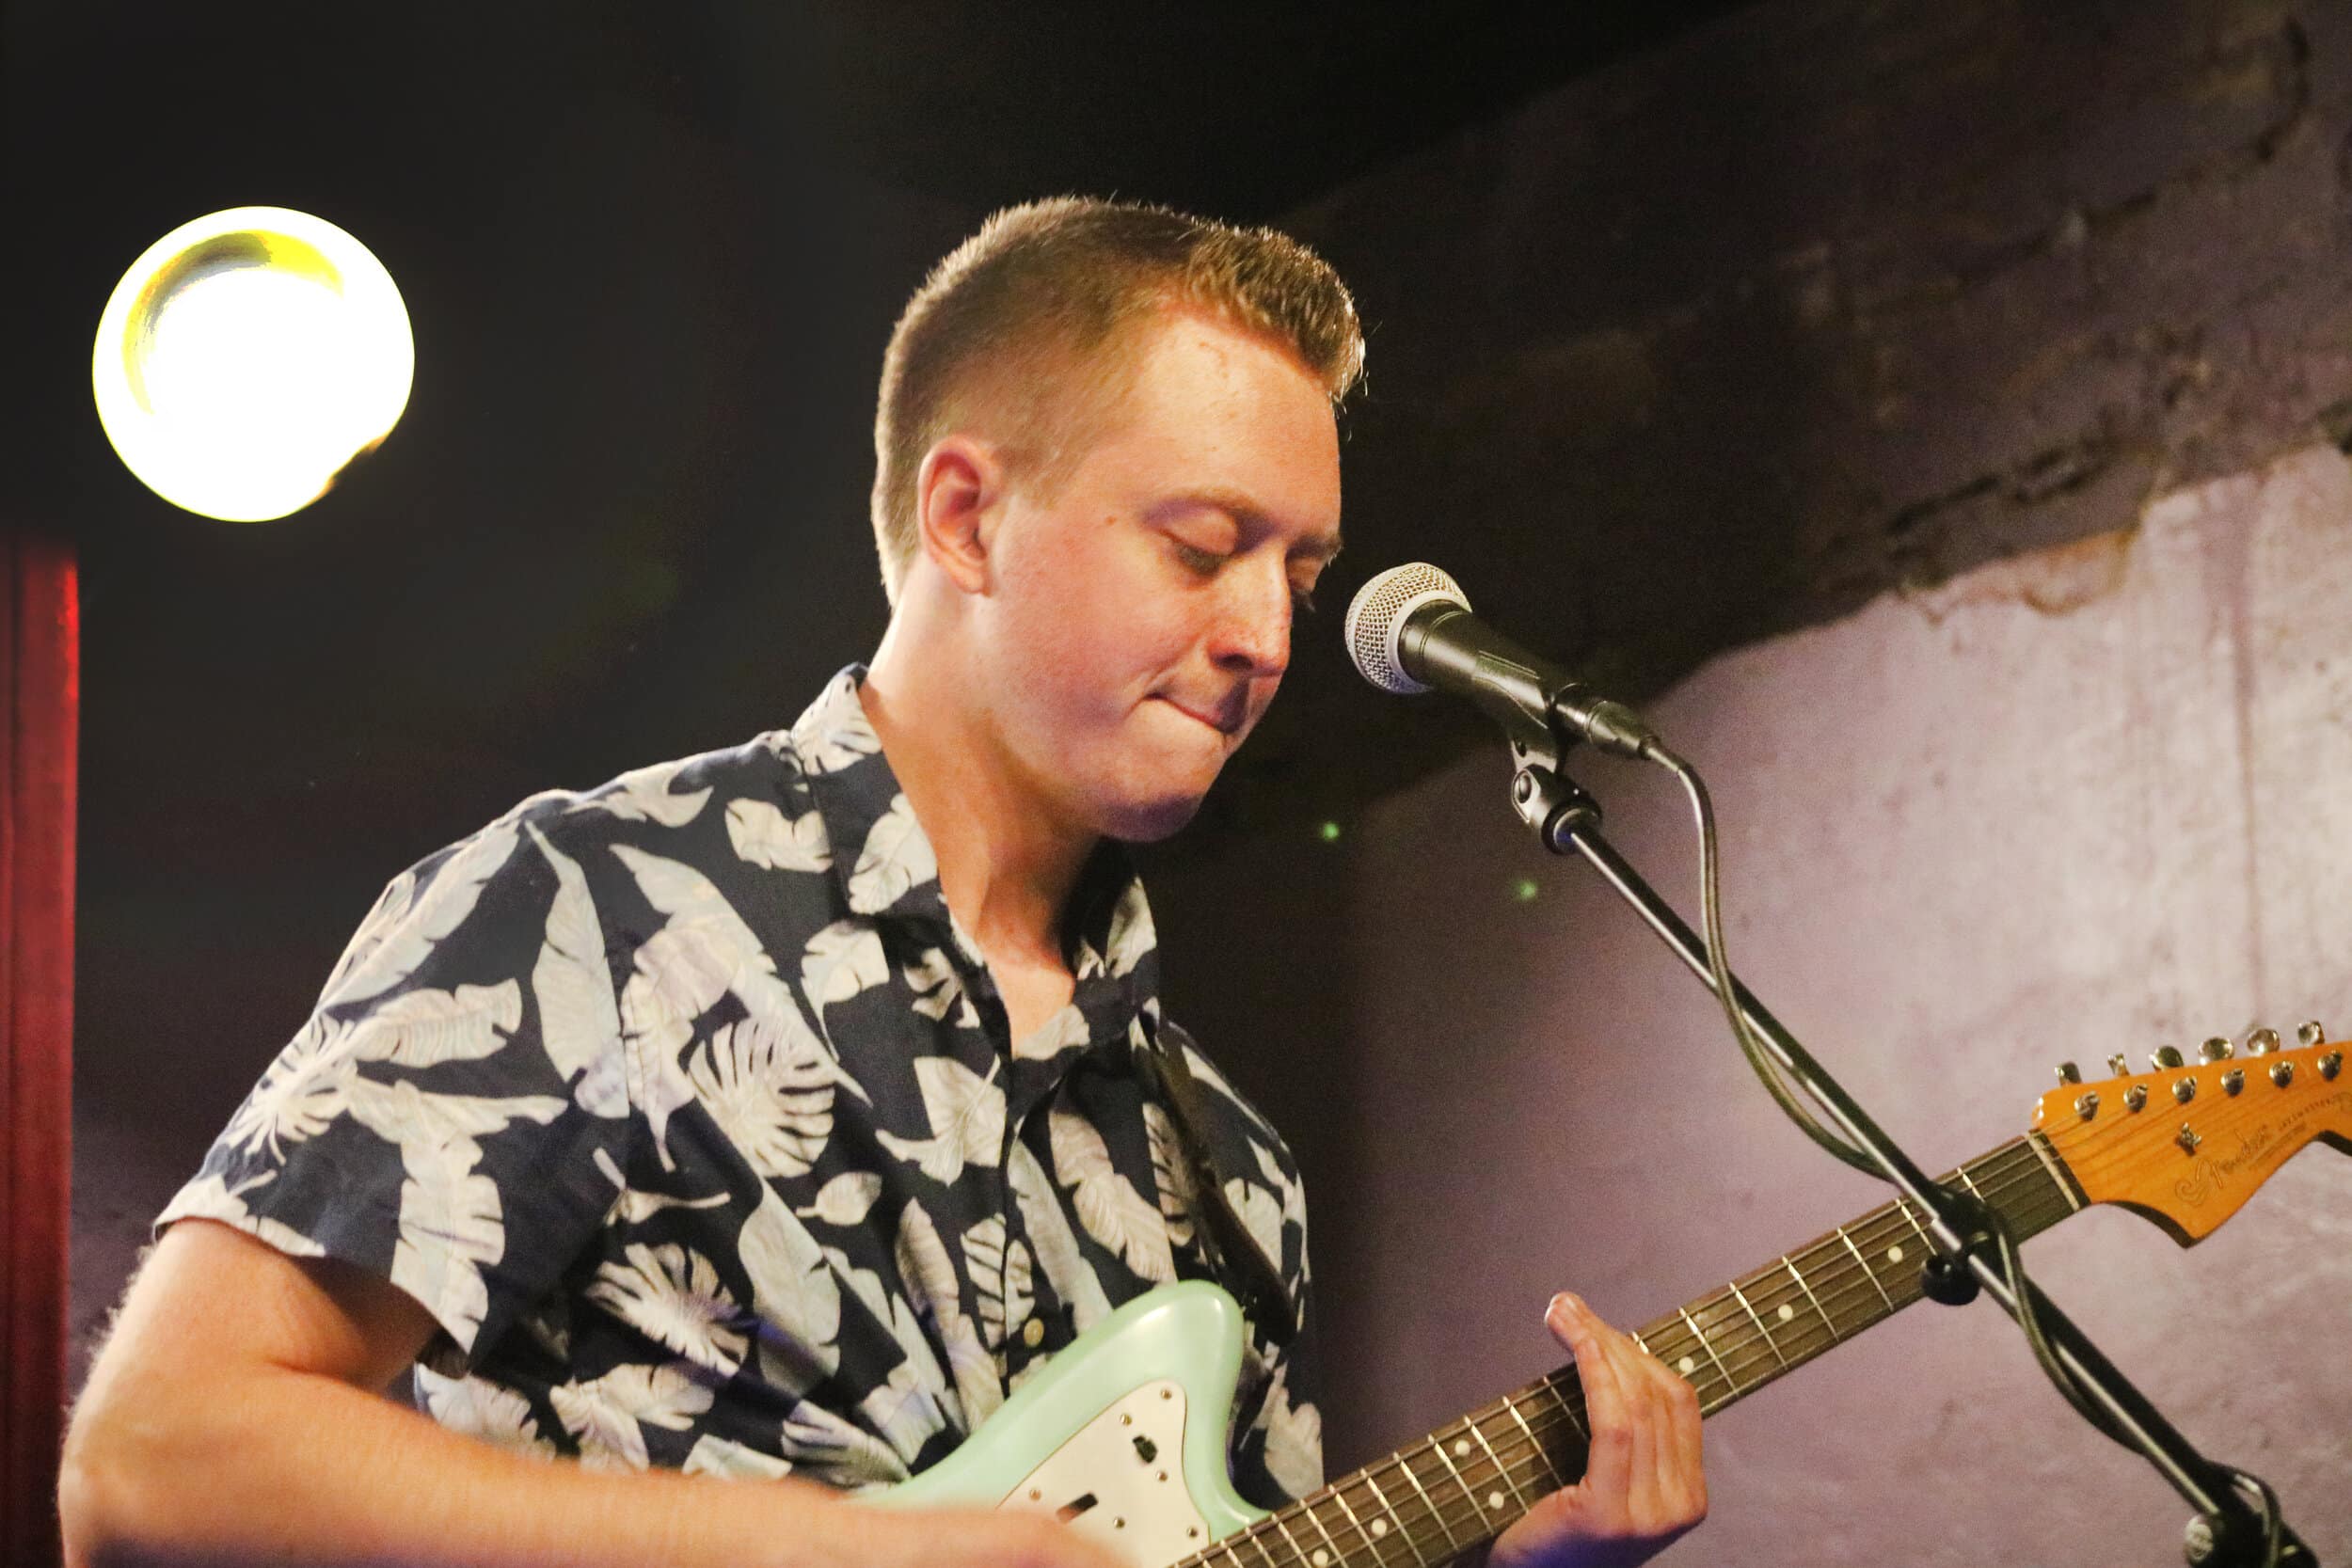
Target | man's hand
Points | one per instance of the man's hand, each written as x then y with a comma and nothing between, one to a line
1642,1483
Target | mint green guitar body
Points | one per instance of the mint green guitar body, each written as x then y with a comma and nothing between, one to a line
1122,1434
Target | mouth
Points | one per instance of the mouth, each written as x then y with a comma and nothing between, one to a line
1226,720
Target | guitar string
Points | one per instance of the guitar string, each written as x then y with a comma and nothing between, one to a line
1558,1410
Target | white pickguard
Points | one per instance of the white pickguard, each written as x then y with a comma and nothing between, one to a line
1122,1473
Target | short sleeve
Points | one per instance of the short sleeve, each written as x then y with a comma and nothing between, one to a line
453,1115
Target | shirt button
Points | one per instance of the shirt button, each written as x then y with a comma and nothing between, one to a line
1033,1333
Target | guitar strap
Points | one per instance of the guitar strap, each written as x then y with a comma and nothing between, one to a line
1234,1254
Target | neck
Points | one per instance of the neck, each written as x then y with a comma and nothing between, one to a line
1007,861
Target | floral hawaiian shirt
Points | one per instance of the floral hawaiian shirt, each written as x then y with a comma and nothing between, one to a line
692,1115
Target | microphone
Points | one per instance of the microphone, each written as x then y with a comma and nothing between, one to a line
1410,629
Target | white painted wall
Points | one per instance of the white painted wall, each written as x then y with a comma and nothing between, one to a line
2094,801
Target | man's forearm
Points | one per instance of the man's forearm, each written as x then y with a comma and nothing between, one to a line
281,1467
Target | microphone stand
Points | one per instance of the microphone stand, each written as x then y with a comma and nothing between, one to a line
2227,1532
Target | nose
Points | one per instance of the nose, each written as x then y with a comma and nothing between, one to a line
1251,637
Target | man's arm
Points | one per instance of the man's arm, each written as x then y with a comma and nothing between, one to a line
237,1417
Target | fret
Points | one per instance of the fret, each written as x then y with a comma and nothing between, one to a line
1496,1459
1234,1552
1299,1553
1867,1270
1796,1275
1259,1535
1970,1182
1331,1551
1721,1370
1427,1501
1742,1296
1534,1447
1372,1542
1389,1508
1485,1524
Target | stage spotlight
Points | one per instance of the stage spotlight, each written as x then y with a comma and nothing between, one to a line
246,358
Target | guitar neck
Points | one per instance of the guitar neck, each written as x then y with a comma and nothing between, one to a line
1465,1483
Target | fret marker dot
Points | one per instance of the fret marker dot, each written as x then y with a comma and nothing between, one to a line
1321,1557
1787,1311
1894,1253
1380,1526
1461,1448
1686,1366
1494,1499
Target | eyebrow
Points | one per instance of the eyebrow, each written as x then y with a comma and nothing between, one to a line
1322,549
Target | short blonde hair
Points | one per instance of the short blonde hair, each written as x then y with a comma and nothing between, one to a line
1030,318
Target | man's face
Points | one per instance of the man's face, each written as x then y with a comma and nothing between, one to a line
1140,613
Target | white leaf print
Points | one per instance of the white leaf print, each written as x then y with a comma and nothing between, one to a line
897,857
904,1411
1054,1036
579,1020
1132,935
1294,1439
1058,1253
1173,1173
637,1208
936,988
481,1409
1262,1212
834,733
793,1289
769,1090
608,1416
1109,1205
837,1451
211,1198
401,932
713,1456
673,1295
842,960
1000,1280
930,1276
967,1119
423,1027
703,952
891,1310
643,795
404,1114
763,835
451,1225
1294,1194
845,1199
300,1093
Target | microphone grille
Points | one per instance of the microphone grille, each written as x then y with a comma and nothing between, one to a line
1376,616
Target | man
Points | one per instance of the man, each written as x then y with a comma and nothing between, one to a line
775,1112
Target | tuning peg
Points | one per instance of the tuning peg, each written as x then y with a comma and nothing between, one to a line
2119,1065
2215,1049
2311,1034
2261,1042
2068,1073
2166,1057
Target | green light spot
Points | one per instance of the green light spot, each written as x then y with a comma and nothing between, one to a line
1330,832
1524,890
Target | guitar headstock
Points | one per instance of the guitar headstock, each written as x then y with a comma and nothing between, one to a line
2187,1143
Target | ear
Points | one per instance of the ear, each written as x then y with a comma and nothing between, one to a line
959,491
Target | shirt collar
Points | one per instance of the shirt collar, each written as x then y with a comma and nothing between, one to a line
883,865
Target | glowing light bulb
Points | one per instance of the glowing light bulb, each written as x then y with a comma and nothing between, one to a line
247,358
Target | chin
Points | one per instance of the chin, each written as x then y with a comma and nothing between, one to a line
1149,821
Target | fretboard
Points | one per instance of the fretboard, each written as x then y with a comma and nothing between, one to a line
1465,1483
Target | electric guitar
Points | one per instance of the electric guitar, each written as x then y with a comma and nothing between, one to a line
1123,1434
